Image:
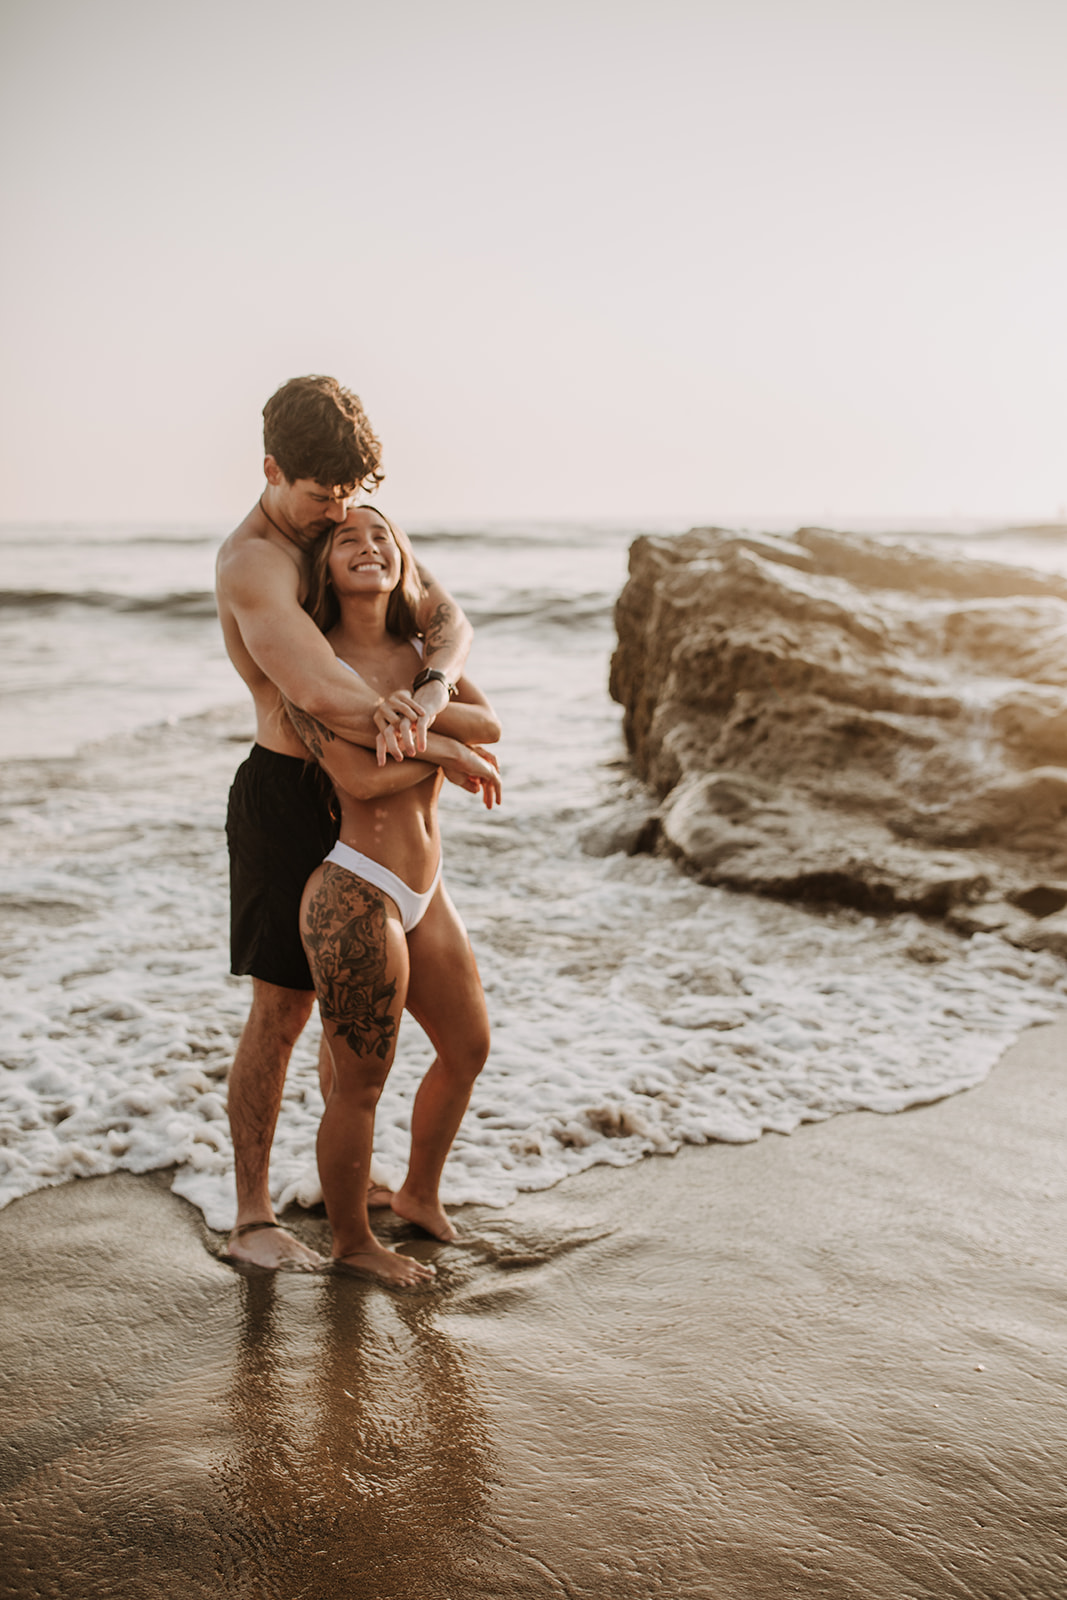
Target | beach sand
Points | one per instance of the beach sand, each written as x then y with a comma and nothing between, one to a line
825,1365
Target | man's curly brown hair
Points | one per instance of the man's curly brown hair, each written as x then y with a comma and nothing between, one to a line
316,429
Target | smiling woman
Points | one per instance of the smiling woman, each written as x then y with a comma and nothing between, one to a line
379,929
366,545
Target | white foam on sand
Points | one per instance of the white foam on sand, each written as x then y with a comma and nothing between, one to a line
633,1010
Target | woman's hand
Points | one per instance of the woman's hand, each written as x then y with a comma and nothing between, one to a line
475,770
402,725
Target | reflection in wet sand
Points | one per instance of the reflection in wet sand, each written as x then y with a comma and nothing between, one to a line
827,1366
359,1458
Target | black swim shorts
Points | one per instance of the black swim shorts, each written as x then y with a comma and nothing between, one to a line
280,823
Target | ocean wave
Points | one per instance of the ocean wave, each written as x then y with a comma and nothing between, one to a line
180,603
104,535
537,608
181,541
518,607
559,536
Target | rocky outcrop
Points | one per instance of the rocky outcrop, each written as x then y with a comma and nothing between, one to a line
829,717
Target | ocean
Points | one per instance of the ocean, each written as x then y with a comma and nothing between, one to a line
633,1009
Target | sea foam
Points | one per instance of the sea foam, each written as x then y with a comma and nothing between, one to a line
633,1009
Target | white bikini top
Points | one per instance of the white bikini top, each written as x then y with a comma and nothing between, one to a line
416,642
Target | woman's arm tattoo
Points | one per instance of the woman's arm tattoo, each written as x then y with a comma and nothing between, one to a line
344,936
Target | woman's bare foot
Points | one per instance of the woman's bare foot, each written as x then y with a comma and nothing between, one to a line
427,1214
378,1196
396,1271
267,1244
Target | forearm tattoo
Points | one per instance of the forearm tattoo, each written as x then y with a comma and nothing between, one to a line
344,937
309,729
436,637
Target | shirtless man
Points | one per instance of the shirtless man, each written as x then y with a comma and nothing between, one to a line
320,452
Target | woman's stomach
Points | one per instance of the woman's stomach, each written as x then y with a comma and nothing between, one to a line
399,833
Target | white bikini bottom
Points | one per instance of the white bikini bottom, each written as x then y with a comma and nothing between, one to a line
412,906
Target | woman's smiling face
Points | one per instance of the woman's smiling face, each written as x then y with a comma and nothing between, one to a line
364,557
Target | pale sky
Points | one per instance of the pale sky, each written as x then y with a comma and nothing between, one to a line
712,261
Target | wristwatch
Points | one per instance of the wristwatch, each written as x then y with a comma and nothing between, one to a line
433,675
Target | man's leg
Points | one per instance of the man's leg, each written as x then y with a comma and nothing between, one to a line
257,1078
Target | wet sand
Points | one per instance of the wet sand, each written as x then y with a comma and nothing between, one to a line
825,1365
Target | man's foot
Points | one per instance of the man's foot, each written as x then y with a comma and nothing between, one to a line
378,1196
267,1244
395,1271
427,1215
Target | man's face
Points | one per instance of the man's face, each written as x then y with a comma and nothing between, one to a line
307,507
313,508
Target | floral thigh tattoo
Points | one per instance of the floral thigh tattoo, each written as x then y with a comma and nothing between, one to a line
345,940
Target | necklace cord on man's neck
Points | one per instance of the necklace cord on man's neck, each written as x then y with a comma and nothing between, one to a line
272,522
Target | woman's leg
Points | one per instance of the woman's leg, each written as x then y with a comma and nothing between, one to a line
378,1194
359,963
445,997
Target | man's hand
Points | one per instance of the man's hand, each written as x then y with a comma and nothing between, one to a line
475,770
403,720
402,726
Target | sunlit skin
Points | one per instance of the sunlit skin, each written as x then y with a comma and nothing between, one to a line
364,557
262,576
367,969
304,509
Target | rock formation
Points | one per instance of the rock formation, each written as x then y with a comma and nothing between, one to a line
830,717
